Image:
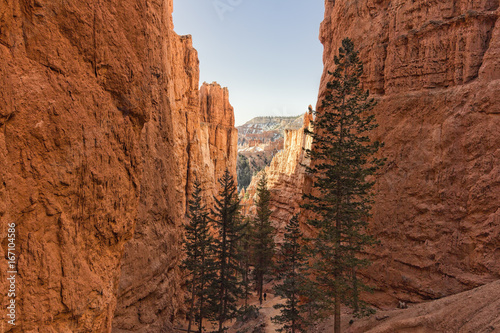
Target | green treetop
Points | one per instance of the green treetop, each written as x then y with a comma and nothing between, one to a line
227,285
199,260
291,262
262,237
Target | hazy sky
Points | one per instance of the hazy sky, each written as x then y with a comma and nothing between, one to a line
266,52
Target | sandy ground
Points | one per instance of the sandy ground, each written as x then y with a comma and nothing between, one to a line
263,323
268,312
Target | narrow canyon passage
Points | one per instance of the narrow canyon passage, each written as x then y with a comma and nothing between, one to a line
106,124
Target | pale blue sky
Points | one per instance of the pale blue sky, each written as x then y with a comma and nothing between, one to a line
266,52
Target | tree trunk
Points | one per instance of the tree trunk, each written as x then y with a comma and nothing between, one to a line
355,292
202,286
246,285
338,227
191,310
337,309
223,277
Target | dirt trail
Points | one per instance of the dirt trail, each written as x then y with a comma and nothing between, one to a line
263,323
268,311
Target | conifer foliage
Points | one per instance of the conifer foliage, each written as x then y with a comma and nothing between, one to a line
342,159
227,286
291,262
262,237
199,261
245,260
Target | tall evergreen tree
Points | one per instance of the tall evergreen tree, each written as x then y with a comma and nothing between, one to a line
198,261
290,265
342,158
262,237
244,248
227,286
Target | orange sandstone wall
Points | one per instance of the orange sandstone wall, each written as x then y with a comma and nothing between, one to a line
199,142
76,87
434,67
217,120
101,135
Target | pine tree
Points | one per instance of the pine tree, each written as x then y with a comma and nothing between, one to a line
244,173
198,261
290,265
244,248
226,286
342,158
262,237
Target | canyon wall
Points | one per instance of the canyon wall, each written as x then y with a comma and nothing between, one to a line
199,143
285,179
101,136
434,68
75,92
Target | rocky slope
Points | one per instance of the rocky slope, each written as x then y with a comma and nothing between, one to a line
286,178
435,69
475,310
472,311
101,134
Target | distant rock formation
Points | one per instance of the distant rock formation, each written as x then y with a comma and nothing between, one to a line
258,141
434,68
286,178
266,129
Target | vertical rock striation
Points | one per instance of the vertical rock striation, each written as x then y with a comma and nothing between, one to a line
101,135
434,68
198,141
74,95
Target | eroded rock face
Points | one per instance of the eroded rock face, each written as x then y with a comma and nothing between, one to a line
217,121
435,69
74,95
259,139
101,136
197,139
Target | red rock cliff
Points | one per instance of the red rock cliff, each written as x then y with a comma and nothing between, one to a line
76,83
199,141
100,124
435,69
